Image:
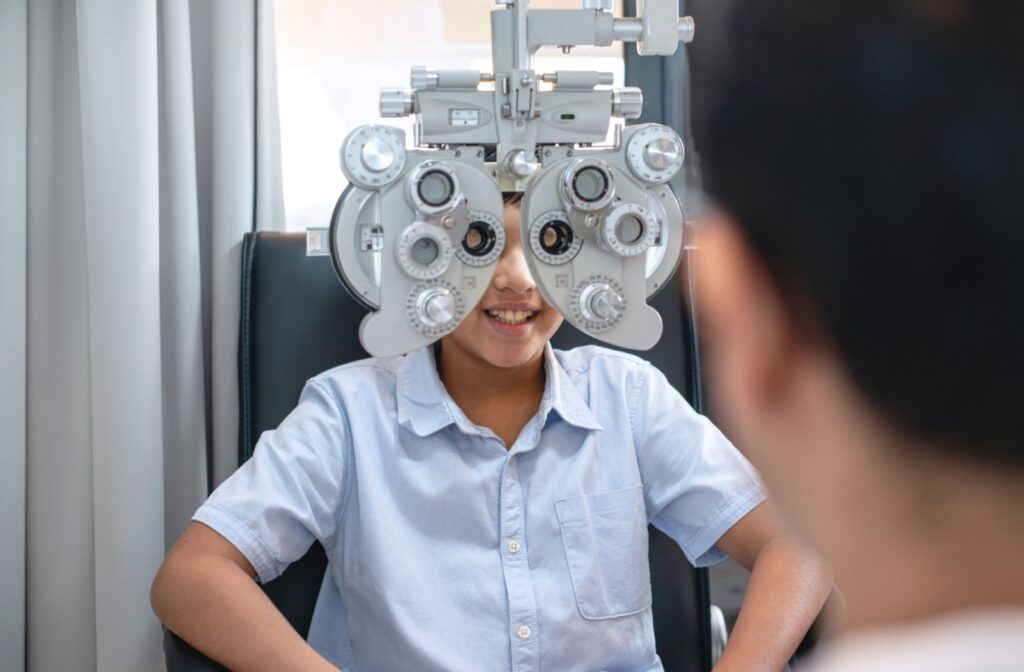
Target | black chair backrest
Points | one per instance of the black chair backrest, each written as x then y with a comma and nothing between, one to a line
297,321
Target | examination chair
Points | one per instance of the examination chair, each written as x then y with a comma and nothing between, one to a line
297,320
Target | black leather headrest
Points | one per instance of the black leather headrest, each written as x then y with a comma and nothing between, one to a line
297,321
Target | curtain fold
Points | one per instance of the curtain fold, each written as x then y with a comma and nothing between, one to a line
185,427
148,146
232,202
59,541
239,150
117,70
270,199
13,233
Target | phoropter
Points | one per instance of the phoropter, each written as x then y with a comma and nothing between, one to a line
418,232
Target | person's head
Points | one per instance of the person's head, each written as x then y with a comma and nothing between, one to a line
864,287
512,323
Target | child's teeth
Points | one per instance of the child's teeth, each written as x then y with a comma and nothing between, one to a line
510,316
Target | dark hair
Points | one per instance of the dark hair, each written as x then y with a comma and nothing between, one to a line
512,197
872,153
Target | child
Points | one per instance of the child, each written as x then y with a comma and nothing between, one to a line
484,506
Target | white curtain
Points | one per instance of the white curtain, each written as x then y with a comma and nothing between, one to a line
13,238
138,143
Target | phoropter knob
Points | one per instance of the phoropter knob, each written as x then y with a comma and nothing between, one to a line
519,165
601,303
422,78
627,103
661,153
377,155
435,307
396,103
606,304
655,154
373,156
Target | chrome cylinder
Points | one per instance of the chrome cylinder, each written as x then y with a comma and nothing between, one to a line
396,103
628,102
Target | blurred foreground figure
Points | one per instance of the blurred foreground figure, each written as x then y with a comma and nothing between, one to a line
863,301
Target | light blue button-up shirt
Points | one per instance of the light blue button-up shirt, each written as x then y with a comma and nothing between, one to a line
449,552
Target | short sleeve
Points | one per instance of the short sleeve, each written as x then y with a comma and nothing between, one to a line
696,484
291,492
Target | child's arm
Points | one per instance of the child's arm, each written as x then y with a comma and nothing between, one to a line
206,594
702,492
788,586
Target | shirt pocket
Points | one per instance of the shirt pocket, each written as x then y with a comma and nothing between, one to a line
605,539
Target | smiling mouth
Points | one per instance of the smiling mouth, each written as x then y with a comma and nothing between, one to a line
512,317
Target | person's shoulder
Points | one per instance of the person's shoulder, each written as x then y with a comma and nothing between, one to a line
982,638
373,374
591,360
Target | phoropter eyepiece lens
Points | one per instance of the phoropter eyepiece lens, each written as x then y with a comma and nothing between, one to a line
435,188
480,239
556,237
629,230
424,251
587,185
590,184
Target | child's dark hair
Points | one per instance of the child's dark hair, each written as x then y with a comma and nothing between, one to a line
512,197
873,154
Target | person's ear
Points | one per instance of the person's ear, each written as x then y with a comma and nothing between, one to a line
748,332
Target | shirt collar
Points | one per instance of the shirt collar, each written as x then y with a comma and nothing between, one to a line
424,406
562,395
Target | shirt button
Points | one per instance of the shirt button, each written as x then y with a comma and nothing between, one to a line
524,632
513,546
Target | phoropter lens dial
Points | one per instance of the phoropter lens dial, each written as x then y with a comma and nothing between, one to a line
556,237
655,154
434,188
424,251
597,303
552,238
484,240
588,185
373,156
629,229
434,308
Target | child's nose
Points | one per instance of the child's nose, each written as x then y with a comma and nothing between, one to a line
513,273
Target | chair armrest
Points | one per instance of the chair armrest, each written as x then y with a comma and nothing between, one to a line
719,633
181,657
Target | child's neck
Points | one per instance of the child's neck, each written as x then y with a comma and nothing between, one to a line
501,399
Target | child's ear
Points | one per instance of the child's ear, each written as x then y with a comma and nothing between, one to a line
748,332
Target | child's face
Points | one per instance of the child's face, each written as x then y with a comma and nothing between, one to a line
512,323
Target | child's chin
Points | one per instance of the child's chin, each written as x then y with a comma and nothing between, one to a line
509,358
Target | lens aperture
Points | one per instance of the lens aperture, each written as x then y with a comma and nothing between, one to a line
480,239
435,188
587,185
590,184
424,251
629,230
556,237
